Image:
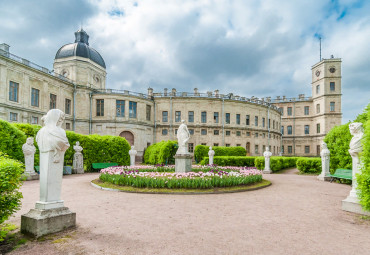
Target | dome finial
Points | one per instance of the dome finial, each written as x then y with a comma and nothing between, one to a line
82,36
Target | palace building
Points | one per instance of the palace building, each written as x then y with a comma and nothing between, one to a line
77,86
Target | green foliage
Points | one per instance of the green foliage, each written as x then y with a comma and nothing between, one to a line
276,163
12,140
309,165
201,151
10,181
5,229
230,161
161,153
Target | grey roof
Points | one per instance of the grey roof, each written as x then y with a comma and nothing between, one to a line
80,48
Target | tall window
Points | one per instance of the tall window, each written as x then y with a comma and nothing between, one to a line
204,117
306,110
148,112
269,123
306,129
238,119
35,94
100,107
191,131
238,133
263,122
247,119
215,117
281,110
68,106
256,149
34,120
318,108
227,132
227,118
290,149
177,116
256,121
13,91
165,131
318,89
289,130
318,128
132,106
120,108
282,149
13,116
332,86
332,106
165,116
282,130
53,101
290,112
191,116
216,132
307,149
273,124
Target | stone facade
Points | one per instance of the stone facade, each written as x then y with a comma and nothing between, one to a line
77,87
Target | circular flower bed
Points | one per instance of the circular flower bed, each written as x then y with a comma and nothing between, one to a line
202,177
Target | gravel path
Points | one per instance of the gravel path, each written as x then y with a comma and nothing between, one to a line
296,215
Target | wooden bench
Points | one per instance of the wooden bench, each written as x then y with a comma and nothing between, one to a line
99,166
342,174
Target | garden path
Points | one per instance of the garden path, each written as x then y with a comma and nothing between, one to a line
296,215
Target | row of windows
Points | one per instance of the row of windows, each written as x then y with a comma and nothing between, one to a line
306,149
275,124
306,129
306,109
332,87
13,116
120,109
35,97
273,149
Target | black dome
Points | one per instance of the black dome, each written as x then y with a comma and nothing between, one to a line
80,48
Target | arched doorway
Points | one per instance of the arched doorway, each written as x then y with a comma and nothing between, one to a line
129,137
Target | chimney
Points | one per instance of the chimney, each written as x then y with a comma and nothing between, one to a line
216,92
150,92
165,92
173,93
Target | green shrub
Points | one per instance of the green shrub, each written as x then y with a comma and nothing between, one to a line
161,153
230,161
201,151
309,165
12,140
276,163
10,181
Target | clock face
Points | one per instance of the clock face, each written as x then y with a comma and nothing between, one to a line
332,69
317,73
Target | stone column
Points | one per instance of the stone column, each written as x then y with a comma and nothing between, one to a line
50,214
78,160
211,154
325,163
132,153
267,154
351,203
29,159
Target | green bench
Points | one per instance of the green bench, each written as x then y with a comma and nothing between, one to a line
98,166
342,174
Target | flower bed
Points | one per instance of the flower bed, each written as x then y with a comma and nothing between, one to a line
202,177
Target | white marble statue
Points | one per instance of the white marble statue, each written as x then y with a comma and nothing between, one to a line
78,159
267,154
325,162
29,158
211,154
53,143
183,137
132,153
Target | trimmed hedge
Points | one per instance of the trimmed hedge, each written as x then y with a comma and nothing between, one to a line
276,163
12,140
309,165
201,151
10,181
230,161
161,153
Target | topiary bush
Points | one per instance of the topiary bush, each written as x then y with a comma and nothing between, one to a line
276,163
201,151
309,165
230,161
161,153
10,181
12,140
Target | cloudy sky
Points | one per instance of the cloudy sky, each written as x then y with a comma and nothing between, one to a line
248,47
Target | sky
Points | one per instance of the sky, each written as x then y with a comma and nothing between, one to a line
246,47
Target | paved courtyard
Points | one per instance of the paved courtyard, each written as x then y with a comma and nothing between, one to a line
296,215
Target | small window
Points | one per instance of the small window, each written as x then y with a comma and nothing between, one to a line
290,149
256,135
204,117
227,118
264,135
68,126
191,131
99,107
176,131
282,149
34,120
269,124
306,110
164,131
256,121
13,116
263,122
13,91
306,129
332,106
190,116
273,124
216,132
53,101
256,149
177,116
203,131
307,149
318,108
332,86
132,109
238,133
120,108
203,144
165,116
238,119
191,147
238,145
282,130
148,112
215,117
318,128
215,144
290,112
318,89
227,145
227,133
248,133
35,95
263,148
247,119
68,106
290,131
281,110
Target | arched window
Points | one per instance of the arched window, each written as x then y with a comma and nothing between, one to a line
129,137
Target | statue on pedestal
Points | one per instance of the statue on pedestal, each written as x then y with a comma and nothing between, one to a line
29,159
211,154
132,153
325,163
183,137
78,159
267,154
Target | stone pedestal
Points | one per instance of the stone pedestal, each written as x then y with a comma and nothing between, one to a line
183,163
31,176
351,204
41,222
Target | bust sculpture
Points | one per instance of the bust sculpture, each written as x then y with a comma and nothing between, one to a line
183,137
78,161
29,154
